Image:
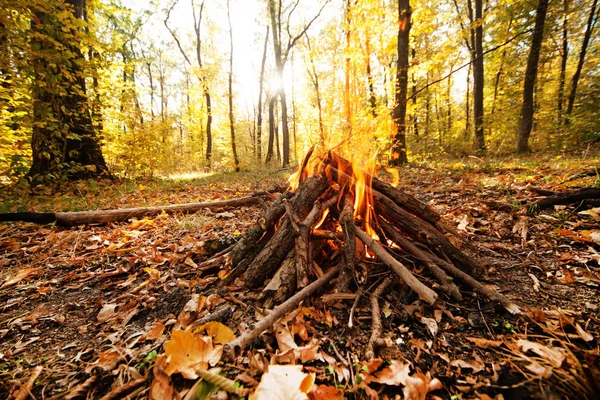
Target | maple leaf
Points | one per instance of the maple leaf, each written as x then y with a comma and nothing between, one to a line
283,382
186,352
219,333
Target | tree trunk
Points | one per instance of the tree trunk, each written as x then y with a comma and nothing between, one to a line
478,78
64,142
501,68
236,161
272,124
315,79
261,83
347,66
530,77
586,40
398,156
564,57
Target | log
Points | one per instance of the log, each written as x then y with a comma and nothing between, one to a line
427,294
572,196
104,216
348,246
271,256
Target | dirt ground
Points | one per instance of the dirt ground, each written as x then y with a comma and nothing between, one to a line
94,305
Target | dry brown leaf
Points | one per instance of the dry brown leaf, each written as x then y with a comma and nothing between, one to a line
431,325
484,343
418,385
219,333
22,274
185,353
107,361
476,366
107,312
554,356
156,331
161,387
322,392
396,374
283,382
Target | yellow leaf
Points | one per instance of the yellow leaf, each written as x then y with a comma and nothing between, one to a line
153,272
219,333
185,353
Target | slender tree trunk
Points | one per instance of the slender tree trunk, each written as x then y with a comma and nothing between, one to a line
347,66
586,40
527,110
501,68
272,124
449,102
261,82
279,65
236,161
478,79
398,156
372,99
59,94
468,106
315,79
564,57
414,100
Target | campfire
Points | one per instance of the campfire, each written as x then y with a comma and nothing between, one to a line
339,222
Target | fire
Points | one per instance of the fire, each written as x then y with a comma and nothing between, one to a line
351,181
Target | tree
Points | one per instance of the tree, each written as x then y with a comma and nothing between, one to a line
527,109
236,161
63,142
281,56
584,45
478,74
398,156
261,82
197,15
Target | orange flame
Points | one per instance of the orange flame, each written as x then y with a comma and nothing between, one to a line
352,181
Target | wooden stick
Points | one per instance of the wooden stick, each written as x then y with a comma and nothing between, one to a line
445,284
477,286
427,294
349,246
376,325
235,347
118,392
26,388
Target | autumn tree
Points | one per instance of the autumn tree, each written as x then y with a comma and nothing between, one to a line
398,156
64,141
527,109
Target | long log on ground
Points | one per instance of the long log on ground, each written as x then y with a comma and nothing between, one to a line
104,216
234,347
427,294
572,196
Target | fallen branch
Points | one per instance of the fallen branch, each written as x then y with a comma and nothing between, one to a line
427,294
120,391
376,325
235,347
572,196
103,216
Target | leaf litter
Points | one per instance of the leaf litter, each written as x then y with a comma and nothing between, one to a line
129,309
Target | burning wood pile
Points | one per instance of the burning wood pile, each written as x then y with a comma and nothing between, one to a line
336,220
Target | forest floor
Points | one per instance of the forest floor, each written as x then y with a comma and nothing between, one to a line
94,305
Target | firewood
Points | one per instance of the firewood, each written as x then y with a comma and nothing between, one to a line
348,246
427,294
233,348
376,318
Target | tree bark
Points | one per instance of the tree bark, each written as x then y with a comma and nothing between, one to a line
236,161
478,78
398,154
272,128
527,109
261,83
586,40
64,141
564,57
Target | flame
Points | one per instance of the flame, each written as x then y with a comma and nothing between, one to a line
351,181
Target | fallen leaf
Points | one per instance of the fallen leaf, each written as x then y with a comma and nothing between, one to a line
475,365
418,385
107,312
219,333
107,361
22,274
554,356
156,331
396,374
284,382
432,326
322,392
186,352
161,387
583,334
484,343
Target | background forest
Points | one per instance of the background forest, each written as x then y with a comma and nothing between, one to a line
159,88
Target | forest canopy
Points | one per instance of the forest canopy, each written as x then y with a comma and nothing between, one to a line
136,88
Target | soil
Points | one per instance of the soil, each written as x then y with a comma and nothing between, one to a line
68,296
